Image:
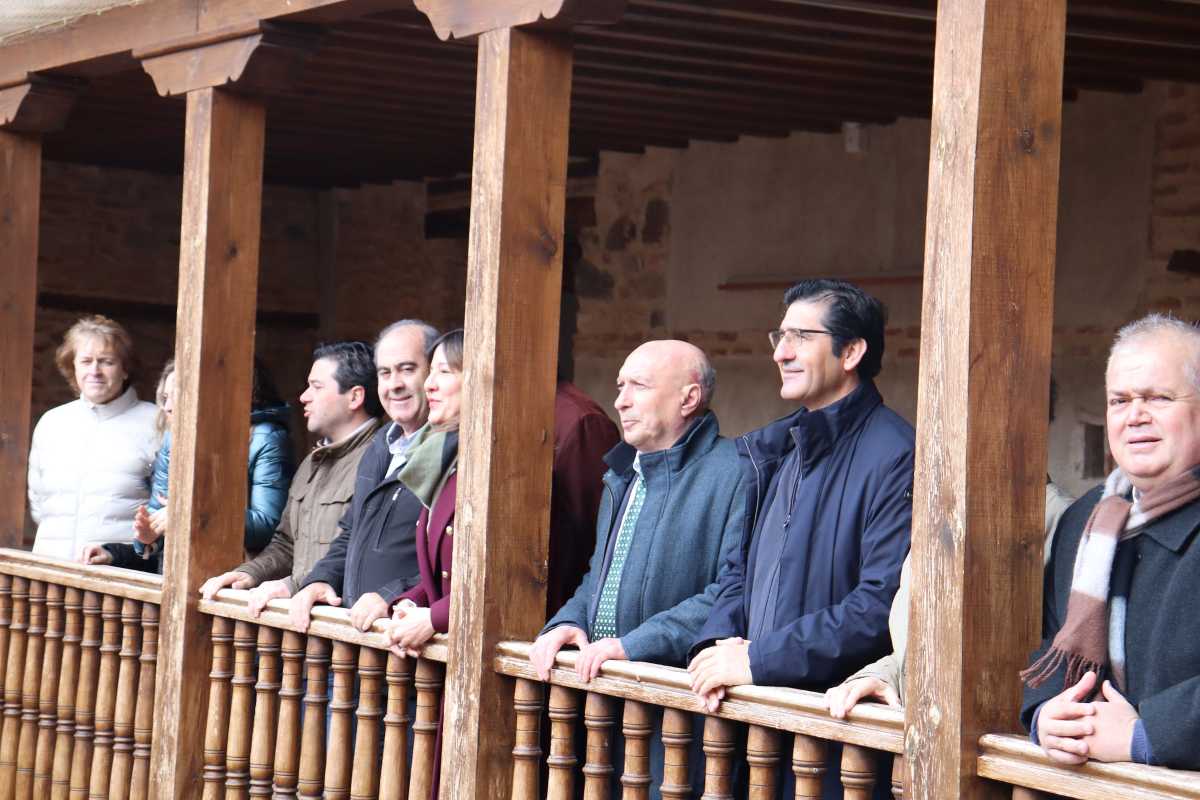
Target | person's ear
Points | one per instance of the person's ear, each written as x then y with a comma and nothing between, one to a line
358,396
853,353
691,399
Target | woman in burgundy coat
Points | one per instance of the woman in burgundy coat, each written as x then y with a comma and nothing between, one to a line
431,473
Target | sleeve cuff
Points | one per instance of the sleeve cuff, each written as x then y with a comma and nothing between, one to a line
1033,734
1140,751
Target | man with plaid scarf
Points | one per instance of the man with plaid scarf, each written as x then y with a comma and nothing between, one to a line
1117,677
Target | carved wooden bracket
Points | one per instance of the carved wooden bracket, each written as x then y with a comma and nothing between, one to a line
254,59
39,104
460,19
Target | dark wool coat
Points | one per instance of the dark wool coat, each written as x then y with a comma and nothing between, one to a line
435,556
840,567
690,524
1162,627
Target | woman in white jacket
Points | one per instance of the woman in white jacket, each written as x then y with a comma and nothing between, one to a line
90,462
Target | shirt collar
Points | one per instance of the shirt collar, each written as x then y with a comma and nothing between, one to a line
118,405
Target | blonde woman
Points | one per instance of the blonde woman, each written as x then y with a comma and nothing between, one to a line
90,461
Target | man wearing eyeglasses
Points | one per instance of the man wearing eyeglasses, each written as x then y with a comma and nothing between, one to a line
806,601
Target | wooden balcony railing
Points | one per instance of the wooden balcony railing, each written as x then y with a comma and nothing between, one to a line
78,647
1016,761
771,715
279,727
78,652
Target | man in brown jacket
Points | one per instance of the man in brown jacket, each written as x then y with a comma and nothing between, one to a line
341,407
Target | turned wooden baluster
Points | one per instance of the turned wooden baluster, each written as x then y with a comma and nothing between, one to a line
858,772
428,682
636,728
218,709
85,698
312,750
106,698
68,684
762,754
241,713
598,768
676,737
287,738
6,582
143,717
10,732
1021,793
43,760
564,710
718,758
808,765
31,683
266,713
898,770
364,784
527,750
127,684
341,709
393,783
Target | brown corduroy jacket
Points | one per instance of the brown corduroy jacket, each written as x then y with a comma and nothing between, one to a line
320,494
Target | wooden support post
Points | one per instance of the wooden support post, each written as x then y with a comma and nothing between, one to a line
762,755
218,284
364,781
36,106
11,731
127,694
514,275
858,772
636,728
719,746
984,373
143,716
106,697
291,694
266,712
31,683
20,199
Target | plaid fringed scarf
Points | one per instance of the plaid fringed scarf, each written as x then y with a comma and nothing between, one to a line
1093,635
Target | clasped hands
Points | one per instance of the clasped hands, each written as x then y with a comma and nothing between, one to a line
1071,731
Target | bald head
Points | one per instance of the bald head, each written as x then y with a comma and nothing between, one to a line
662,386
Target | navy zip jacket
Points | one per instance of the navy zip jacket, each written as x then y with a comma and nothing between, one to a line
840,565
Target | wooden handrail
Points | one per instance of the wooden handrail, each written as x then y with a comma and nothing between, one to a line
795,710
328,622
128,584
1019,762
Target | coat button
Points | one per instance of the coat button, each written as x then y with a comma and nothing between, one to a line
445,574
449,530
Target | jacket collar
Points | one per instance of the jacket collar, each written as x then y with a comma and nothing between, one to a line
698,439
336,450
113,408
815,432
1174,530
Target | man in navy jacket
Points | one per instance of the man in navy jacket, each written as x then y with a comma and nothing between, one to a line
829,510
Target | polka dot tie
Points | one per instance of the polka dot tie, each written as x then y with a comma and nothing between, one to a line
606,613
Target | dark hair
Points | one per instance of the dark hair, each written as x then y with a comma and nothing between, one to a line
852,314
453,342
354,365
263,393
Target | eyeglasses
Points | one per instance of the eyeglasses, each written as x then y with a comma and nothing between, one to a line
793,336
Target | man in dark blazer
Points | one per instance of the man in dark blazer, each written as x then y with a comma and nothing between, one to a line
1117,677
829,515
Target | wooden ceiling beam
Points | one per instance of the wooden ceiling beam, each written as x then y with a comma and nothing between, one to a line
118,31
461,19
39,104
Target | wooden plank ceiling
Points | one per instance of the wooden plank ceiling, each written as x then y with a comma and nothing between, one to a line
384,99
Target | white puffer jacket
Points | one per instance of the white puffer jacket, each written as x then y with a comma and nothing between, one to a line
89,470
